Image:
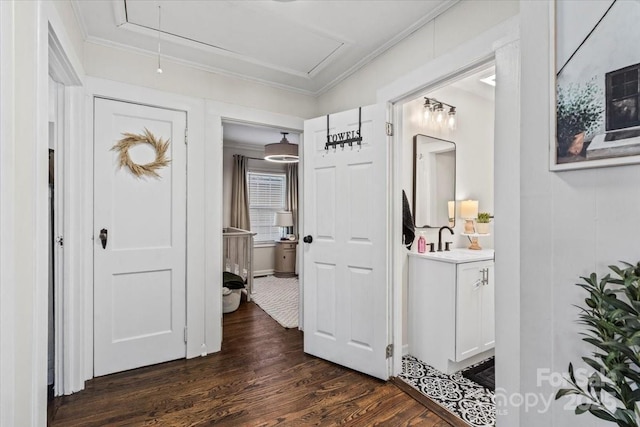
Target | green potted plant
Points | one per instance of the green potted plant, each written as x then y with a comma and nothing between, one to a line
482,223
612,318
579,112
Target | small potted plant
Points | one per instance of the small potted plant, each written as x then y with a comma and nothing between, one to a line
579,113
482,223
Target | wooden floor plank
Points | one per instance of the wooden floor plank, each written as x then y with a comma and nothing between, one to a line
261,377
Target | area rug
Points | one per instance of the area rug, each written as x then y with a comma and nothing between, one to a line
483,373
467,400
278,297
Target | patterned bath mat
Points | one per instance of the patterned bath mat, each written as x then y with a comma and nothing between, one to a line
467,400
278,297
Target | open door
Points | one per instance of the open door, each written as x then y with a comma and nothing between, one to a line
346,254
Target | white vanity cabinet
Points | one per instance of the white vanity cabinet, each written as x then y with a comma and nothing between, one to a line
451,320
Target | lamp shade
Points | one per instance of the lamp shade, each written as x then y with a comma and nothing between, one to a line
281,152
283,219
469,209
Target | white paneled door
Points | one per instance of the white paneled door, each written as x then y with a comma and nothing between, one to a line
346,218
139,274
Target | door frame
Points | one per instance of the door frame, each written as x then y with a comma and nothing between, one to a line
68,291
501,45
216,113
197,159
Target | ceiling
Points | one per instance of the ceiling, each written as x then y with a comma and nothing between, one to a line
307,46
474,84
244,134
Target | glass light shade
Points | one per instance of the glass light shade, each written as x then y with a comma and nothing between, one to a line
451,121
451,205
469,209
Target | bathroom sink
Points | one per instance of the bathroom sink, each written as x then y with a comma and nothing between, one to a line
457,255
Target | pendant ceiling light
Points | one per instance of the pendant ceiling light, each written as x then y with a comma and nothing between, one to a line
281,152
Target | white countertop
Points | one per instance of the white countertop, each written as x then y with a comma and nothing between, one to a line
457,255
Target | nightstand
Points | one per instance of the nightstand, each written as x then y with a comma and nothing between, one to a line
285,265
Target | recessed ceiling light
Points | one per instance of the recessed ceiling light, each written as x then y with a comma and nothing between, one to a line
491,80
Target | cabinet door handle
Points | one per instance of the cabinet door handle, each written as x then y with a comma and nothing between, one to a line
485,276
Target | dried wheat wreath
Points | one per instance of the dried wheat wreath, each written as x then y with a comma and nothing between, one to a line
149,169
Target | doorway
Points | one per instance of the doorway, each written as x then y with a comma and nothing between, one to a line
268,211
437,356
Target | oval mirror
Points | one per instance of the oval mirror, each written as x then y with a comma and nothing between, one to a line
434,182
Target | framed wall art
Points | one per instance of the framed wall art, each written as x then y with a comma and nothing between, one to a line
596,95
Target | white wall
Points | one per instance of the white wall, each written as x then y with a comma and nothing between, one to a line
23,307
587,218
264,255
461,23
139,69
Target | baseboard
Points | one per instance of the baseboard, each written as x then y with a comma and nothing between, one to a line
260,273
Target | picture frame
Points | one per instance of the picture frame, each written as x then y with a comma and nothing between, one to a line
595,91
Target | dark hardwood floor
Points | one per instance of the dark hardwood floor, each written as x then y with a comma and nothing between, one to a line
260,378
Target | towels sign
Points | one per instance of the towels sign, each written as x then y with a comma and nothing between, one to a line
342,138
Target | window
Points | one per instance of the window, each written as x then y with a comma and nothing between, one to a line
266,197
622,98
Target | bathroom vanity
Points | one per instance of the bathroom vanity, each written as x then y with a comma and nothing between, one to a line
451,316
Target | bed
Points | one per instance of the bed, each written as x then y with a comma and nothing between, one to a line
237,255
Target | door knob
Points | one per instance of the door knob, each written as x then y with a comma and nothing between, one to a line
307,239
103,238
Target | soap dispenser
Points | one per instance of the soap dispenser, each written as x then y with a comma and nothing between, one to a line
422,243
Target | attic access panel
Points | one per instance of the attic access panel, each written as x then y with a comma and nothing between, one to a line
239,30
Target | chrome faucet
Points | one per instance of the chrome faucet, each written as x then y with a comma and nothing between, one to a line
440,238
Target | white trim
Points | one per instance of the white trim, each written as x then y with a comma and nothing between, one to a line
60,67
262,273
507,200
74,221
69,375
60,215
7,203
497,43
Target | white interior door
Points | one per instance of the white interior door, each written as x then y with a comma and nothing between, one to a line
346,286
139,276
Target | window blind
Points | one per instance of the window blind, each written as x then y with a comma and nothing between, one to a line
267,192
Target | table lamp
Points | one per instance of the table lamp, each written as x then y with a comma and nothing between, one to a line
283,219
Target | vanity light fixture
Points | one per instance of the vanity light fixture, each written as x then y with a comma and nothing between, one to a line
434,114
281,152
